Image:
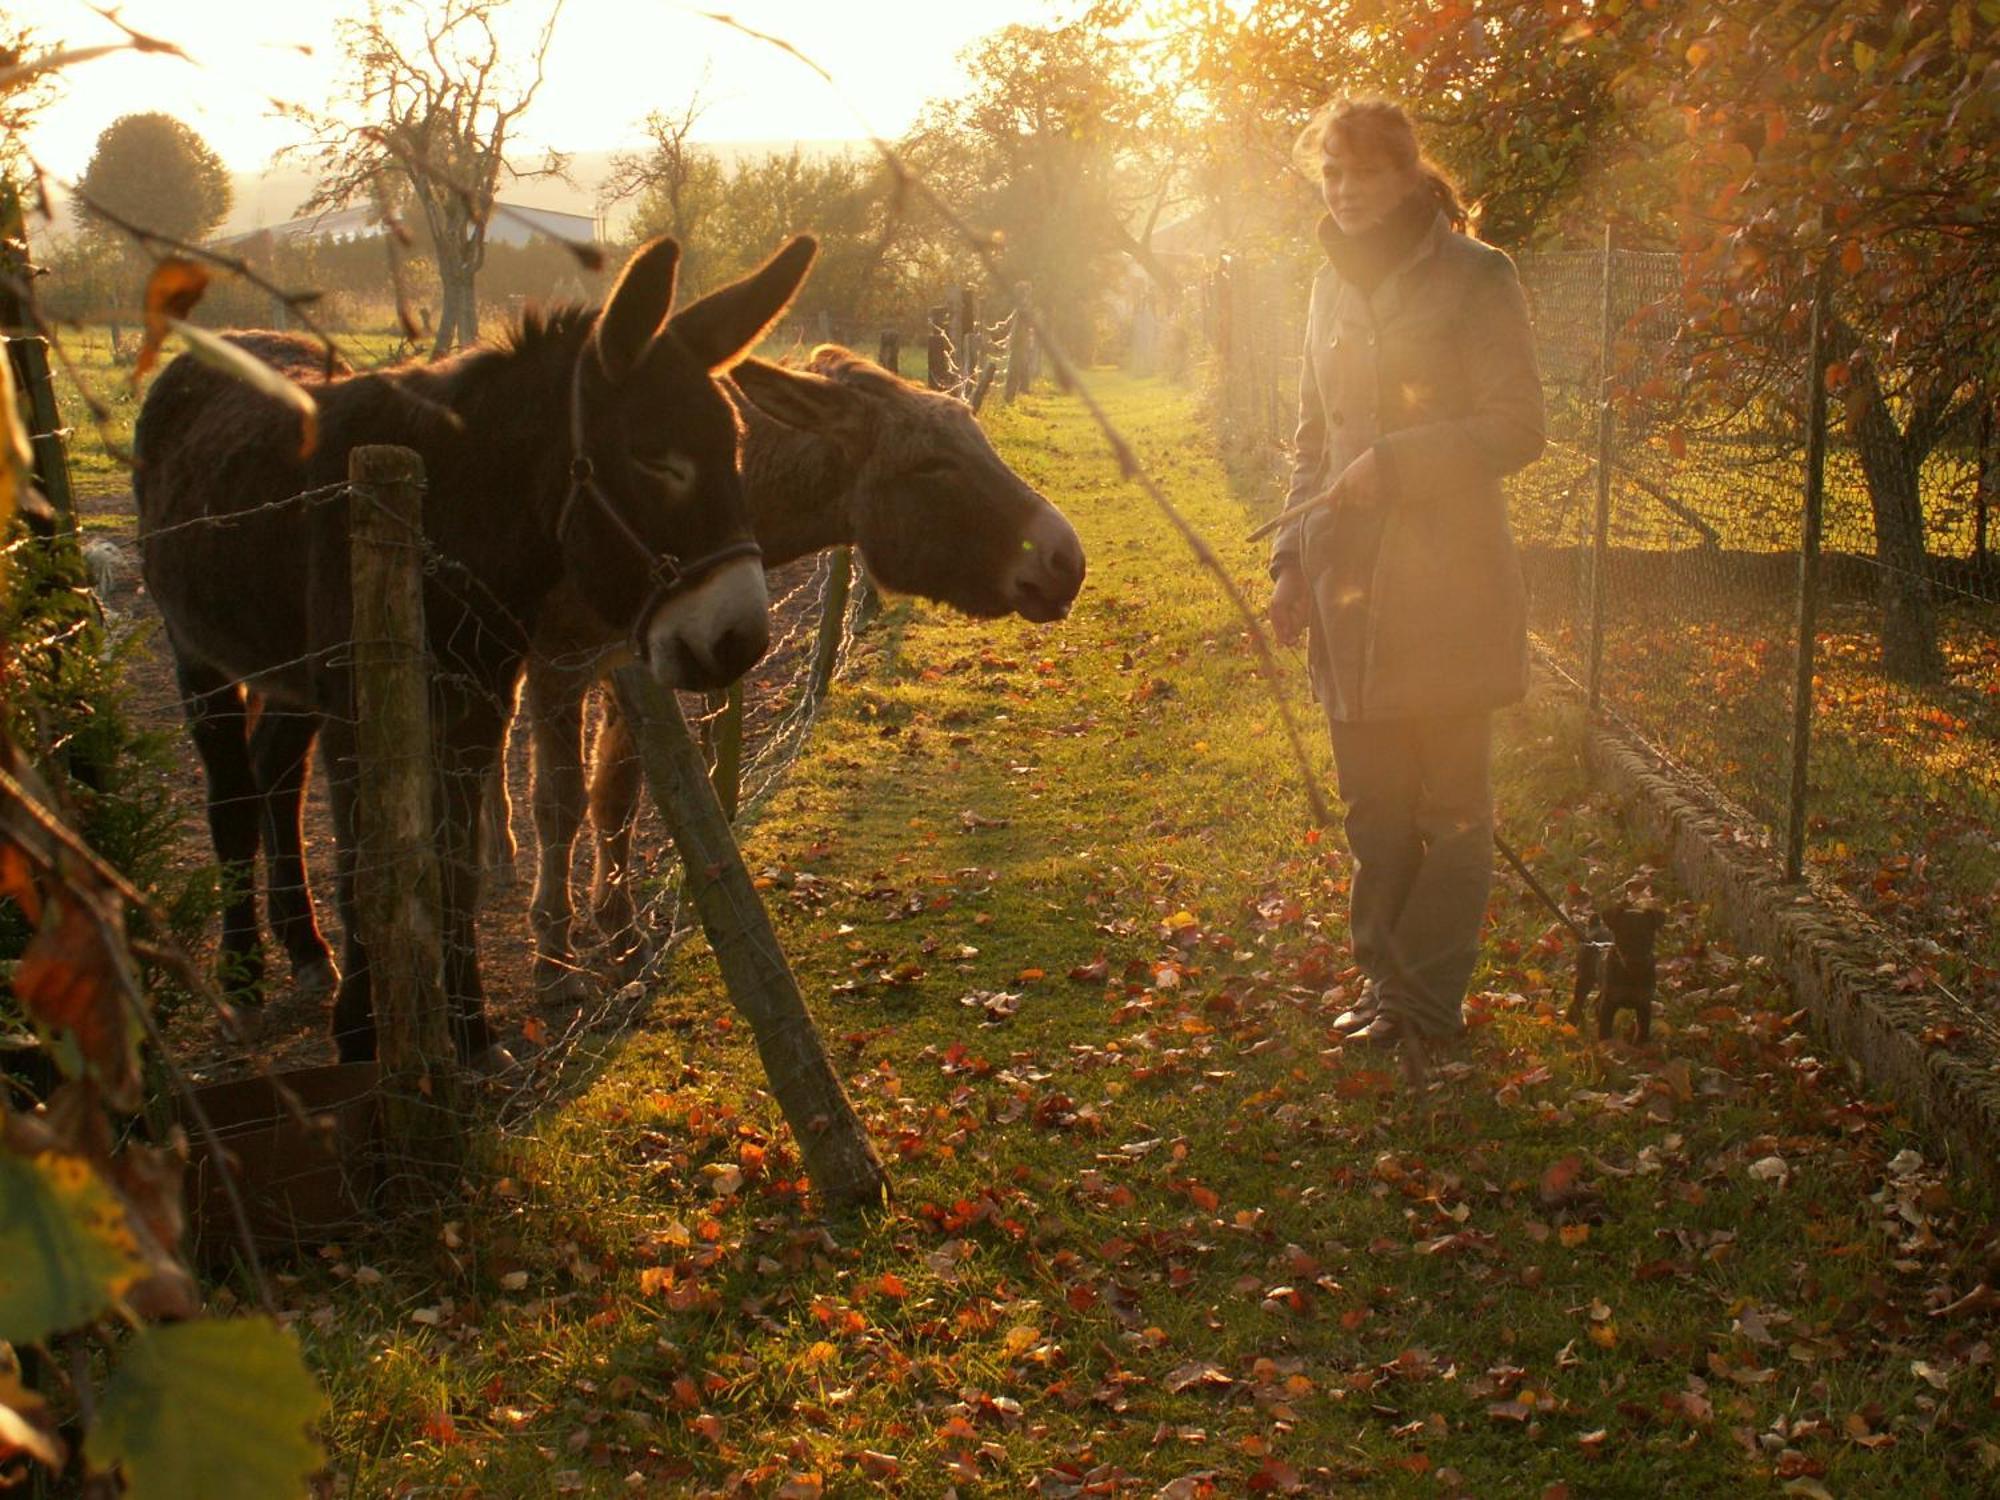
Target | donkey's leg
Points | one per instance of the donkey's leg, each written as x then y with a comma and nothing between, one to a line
469,730
499,850
555,716
216,720
614,806
281,755
353,1005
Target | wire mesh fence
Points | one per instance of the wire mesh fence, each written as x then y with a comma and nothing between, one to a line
1672,596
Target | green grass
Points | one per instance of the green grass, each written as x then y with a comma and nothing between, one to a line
1149,1223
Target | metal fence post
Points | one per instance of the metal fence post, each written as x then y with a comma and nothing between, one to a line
398,881
1600,540
1810,524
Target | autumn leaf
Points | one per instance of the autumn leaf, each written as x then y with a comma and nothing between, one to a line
26,1425
76,984
172,291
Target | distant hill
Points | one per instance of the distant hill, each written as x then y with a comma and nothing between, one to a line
272,197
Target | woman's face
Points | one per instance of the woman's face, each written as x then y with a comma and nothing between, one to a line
1360,190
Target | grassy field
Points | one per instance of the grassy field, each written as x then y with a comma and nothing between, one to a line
1053,898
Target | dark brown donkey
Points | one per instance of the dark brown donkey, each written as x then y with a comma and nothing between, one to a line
597,448
855,455
840,452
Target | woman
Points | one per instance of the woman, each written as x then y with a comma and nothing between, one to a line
1418,392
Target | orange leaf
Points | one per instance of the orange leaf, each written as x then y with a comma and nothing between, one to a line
74,979
171,293
1852,261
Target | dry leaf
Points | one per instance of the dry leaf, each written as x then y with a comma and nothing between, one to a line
253,372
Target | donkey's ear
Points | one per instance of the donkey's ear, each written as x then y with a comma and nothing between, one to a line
638,306
809,402
721,326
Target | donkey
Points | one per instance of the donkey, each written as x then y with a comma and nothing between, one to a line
592,447
840,452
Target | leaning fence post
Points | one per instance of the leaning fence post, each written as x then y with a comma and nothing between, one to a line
1600,539
839,1158
397,879
1810,521
832,622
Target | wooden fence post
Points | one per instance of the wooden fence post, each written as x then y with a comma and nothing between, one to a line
29,353
839,1157
968,341
940,348
398,882
1019,337
832,623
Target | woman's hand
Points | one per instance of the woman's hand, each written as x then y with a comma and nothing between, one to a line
1360,483
1290,607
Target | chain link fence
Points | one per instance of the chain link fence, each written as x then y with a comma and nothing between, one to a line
1663,550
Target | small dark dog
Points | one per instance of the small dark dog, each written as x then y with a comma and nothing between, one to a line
1617,962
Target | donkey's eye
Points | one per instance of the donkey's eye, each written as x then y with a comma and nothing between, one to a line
675,470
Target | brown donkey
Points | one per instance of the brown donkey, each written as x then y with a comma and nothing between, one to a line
591,447
841,452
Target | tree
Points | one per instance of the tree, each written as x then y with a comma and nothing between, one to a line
426,109
156,173
1849,139
1044,151
678,184
839,199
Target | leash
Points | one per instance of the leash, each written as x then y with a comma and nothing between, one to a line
1507,851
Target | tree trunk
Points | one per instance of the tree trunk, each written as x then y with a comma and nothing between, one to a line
1891,463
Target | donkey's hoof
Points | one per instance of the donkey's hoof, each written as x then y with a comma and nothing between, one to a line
315,979
490,1062
563,984
632,956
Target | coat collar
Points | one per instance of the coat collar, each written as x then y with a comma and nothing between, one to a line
1421,235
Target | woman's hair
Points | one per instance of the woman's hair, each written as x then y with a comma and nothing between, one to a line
1376,130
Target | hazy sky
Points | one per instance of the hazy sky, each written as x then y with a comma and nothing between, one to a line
611,62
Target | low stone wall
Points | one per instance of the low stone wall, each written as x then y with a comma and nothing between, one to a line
1938,1060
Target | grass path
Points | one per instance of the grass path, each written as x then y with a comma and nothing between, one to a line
1051,894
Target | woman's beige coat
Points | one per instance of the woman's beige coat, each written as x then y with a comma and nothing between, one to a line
1419,606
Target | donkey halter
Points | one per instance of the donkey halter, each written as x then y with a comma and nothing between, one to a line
666,573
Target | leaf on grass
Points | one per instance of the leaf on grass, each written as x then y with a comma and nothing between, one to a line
172,291
66,1251
253,372
1197,1373
216,1409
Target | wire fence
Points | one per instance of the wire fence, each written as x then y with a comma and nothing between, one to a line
1664,557
819,604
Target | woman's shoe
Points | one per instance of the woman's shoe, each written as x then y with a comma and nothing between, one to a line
1362,1013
